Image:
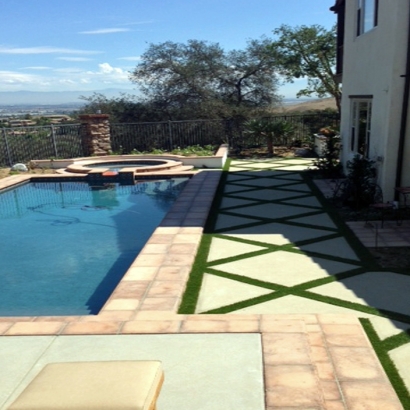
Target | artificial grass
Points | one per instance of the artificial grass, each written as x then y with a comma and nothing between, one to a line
382,349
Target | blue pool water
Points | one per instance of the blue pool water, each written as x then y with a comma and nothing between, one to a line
66,245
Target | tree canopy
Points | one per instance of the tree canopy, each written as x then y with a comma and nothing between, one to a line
308,51
200,79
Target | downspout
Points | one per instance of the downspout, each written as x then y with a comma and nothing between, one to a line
404,114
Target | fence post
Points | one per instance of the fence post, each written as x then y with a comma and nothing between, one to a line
170,135
95,134
7,147
53,136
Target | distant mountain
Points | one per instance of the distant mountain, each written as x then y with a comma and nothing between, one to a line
54,97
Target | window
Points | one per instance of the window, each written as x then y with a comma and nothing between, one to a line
367,15
360,127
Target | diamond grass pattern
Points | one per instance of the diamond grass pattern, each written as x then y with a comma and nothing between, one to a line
275,249
279,251
284,268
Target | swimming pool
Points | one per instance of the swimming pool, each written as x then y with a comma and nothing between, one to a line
66,245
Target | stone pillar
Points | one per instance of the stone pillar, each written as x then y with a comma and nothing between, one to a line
95,134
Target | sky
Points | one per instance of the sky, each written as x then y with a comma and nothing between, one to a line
90,45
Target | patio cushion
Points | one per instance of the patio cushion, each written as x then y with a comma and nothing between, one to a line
125,385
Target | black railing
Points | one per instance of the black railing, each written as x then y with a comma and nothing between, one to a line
22,144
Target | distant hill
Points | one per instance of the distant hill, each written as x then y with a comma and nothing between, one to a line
54,97
320,104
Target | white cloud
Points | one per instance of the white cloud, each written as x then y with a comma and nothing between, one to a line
10,77
68,70
105,68
40,68
105,31
74,59
44,50
65,79
131,58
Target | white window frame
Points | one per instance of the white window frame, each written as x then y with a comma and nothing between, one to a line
367,15
360,127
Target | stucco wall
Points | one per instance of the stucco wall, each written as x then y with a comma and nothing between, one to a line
373,63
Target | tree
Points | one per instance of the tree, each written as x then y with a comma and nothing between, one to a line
200,80
269,129
125,108
308,51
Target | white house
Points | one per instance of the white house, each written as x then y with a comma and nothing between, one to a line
374,68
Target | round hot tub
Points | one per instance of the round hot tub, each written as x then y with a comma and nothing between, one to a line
115,165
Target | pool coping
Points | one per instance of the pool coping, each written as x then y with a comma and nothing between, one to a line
308,360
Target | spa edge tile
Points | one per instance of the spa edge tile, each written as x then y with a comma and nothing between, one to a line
286,348
173,273
325,371
282,326
151,326
92,328
204,326
371,395
35,328
17,319
165,289
140,273
120,304
158,315
131,290
158,303
334,405
114,315
154,248
292,386
183,248
356,363
331,390
4,326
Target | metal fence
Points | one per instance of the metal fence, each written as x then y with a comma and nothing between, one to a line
22,144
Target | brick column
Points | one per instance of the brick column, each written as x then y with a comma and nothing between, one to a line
95,134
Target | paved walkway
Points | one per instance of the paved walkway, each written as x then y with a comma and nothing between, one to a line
284,270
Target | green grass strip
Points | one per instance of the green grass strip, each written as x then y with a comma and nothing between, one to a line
193,286
387,363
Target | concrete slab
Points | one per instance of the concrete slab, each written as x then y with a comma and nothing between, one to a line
284,268
382,290
236,177
277,233
231,188
259,165
267,194
336,247
296,305
228,221
273,211
221,248
307,200
321,220
299,188
264,182
296,168
401,358
16,359
217,292
228,202
202,371
386,327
